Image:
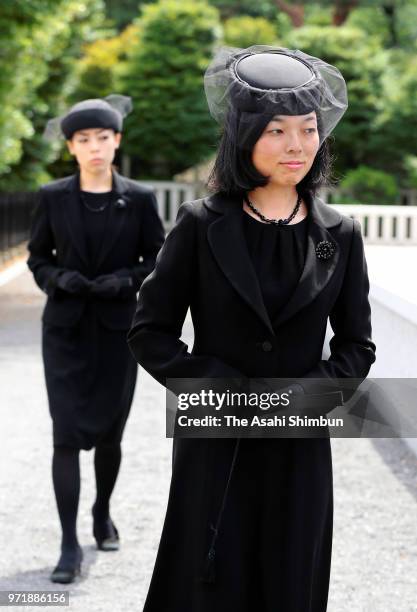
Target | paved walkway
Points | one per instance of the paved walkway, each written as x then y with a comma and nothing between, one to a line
374,566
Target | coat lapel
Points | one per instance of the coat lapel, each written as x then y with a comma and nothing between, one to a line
316,272
115,220
227,241
73,216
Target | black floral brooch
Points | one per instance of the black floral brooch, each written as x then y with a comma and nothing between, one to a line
120,204
325,249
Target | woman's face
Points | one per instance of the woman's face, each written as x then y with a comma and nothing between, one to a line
287,138
94,148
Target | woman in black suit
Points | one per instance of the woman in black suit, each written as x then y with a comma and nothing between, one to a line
262,263
94,238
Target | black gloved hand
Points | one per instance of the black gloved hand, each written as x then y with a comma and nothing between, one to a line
73,282
110,285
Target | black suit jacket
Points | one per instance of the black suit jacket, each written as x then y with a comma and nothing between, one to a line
205,264
133,236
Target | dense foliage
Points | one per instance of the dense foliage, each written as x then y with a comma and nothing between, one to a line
55,52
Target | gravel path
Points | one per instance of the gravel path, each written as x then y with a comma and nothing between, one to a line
374,565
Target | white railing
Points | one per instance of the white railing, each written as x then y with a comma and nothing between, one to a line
381,224
170,195
384,224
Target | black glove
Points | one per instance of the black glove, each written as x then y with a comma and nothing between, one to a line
111,285
74,282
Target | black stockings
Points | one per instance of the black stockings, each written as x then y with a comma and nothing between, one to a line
66,480
106,464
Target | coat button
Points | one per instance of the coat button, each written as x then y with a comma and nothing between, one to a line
266,346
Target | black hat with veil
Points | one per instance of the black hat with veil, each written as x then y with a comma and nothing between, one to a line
250,86
107,112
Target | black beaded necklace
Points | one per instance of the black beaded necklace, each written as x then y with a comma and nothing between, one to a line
100,208
274,221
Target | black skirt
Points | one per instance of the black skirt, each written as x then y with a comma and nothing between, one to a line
90,378
273,551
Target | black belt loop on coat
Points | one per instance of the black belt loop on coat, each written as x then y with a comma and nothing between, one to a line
208,574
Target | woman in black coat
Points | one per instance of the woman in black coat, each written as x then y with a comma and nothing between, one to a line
262,264
94,238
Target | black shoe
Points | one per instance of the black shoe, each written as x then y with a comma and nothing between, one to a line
105,534
69,566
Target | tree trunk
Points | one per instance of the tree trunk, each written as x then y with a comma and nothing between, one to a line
342,9
389,10
294,12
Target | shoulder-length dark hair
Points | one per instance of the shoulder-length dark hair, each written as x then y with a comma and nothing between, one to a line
233,172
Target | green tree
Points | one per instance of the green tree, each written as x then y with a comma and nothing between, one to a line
38,76
123,12
373,21
411,171
393,21
170,128
236,8
393,128
98,70
243,31
368,186
17,20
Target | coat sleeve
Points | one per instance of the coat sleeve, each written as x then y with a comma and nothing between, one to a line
151,240
164,298
352,349
41,246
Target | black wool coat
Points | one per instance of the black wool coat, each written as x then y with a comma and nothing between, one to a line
133,236
89,370
274,543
